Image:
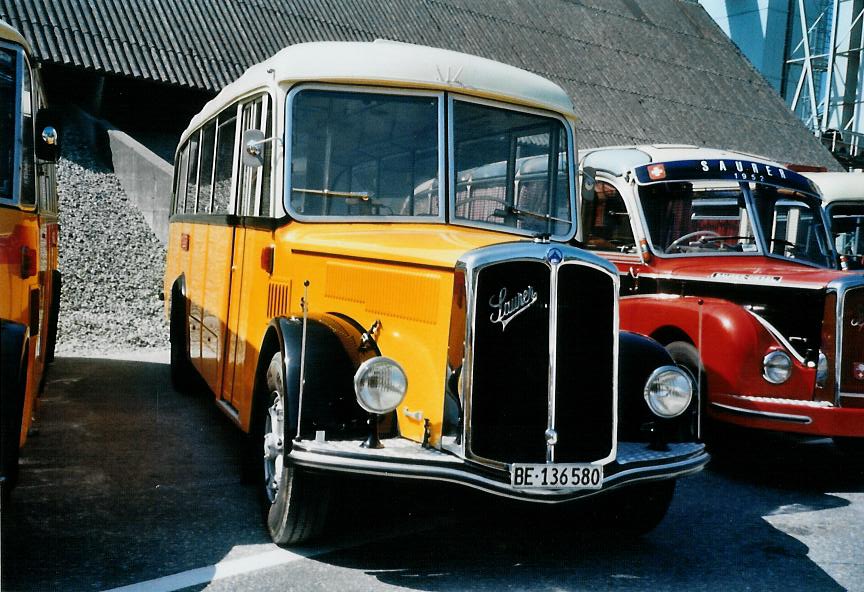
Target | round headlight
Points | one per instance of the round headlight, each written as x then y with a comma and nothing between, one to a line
668,391
822,370
776,367
380,385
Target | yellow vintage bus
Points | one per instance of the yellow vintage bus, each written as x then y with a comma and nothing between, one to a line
368,266
29,279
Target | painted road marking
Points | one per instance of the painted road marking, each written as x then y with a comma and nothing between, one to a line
224,569
276,556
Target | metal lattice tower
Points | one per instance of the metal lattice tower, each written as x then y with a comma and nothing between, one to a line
822,77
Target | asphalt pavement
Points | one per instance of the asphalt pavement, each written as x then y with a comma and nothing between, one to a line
127,484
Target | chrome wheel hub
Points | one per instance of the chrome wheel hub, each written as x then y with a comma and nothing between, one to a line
274,446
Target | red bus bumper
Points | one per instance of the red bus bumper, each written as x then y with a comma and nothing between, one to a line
788,415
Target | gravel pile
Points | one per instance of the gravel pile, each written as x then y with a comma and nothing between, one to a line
111,261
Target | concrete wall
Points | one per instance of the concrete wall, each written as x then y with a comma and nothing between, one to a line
146,179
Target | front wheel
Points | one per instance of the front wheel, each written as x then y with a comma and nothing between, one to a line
853,447
638,509
294,501
11,417
685,355
53,315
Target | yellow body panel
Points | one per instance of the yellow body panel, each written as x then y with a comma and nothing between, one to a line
17,229
25,229
399,274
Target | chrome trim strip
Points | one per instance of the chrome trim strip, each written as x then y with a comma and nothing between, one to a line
852,395
553,360
692,459
778,336
229,410
803,419
790,402
779,284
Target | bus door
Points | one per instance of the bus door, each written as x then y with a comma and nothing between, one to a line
210,242
245,268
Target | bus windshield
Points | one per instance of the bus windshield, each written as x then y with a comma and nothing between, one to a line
511,170
710,218
7,120
358,155
361,154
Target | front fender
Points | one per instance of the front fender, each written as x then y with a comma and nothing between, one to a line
731,341
333,354
638,357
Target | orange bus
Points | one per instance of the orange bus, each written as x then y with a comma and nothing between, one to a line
368,266
29,278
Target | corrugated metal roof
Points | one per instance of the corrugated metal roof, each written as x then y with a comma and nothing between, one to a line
637,70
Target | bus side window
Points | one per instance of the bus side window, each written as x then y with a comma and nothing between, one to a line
205,177
28,163
264,208
192,183
250,177
610,224
224,159
180,183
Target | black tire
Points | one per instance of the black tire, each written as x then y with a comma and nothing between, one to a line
53,316
182,371
638,509
852,447
11,418
294,501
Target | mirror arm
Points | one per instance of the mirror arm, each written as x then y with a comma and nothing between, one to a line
252,147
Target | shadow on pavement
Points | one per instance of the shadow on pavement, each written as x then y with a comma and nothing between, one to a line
715,536
128,480
124,480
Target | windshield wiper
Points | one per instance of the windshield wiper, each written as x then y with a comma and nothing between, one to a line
711,239
514,211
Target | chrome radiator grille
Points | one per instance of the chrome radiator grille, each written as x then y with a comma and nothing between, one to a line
540,357
851,347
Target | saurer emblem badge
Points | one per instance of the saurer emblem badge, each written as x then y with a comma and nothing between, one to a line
506,309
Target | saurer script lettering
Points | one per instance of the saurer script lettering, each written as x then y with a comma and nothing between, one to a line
505,310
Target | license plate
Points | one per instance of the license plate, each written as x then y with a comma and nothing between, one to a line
556,476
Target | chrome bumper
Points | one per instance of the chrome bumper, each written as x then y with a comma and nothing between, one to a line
402,458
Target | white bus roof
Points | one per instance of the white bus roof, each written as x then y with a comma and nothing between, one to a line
394,64
839,186
7,33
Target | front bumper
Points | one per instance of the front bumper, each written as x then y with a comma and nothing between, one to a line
788,415
402,458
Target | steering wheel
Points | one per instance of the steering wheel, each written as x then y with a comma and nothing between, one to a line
676,244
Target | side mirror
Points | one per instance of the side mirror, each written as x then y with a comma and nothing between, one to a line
587,199
587,183
48,140
253,153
